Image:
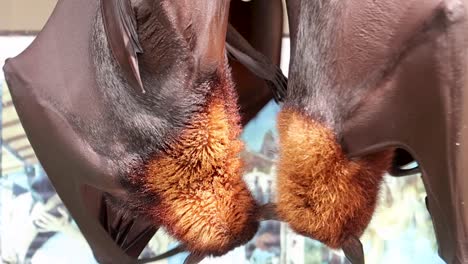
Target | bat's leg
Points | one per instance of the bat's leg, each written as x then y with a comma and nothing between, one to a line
260,22
257,63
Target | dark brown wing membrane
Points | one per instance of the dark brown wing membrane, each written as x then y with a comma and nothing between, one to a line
44,82
425,114
129,232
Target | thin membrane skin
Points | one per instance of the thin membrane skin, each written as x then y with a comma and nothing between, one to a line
321,193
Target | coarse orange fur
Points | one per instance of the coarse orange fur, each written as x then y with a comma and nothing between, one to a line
322,194
204,200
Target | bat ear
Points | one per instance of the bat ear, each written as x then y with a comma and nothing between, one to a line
353,250
121,31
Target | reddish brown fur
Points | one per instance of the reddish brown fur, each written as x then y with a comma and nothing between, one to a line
323,194
204,201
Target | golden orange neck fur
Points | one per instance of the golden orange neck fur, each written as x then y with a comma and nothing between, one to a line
323,194
204,201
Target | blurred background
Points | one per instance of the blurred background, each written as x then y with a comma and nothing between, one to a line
35,227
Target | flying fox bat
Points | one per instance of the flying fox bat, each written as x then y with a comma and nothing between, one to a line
369,79
177,137
131,110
